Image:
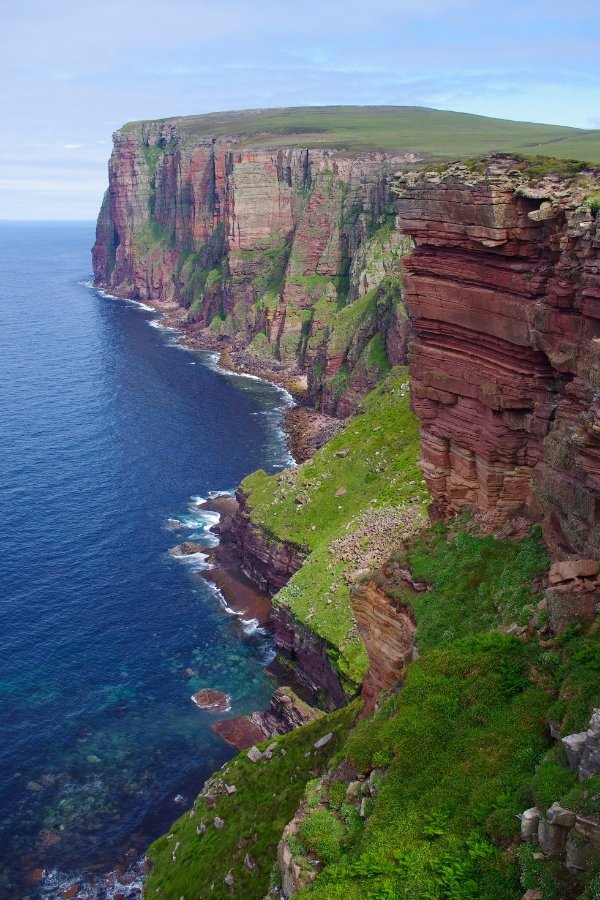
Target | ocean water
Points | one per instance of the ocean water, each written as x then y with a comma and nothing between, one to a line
108,429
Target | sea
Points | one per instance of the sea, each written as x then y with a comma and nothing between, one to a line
109,431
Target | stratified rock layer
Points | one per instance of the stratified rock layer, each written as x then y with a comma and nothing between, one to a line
503,289
388,629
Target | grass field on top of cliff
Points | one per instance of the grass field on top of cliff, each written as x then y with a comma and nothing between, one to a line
432,132
360,490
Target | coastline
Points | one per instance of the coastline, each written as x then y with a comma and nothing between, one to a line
238,594
305,430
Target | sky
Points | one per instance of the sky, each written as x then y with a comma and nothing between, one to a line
71,73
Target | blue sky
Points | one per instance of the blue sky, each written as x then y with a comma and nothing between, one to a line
73,72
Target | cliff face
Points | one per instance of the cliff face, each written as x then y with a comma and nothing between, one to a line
262,248
269,562
503,289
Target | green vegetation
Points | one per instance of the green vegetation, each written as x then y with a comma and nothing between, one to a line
370,465
459,742
476,583
464,746
201,272
594,204
149,237
152,155
266,797
536,166
455,754
434,133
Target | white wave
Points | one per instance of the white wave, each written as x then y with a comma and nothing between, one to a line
214,495
213,363
156,323
223,602
210,517
108,886
198,501
252,626
197,562
103,293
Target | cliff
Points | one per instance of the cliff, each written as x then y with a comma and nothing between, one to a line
503,290
262,248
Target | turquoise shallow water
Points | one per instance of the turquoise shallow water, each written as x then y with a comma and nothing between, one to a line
108,430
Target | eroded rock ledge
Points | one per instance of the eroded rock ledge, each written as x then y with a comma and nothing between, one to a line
503,289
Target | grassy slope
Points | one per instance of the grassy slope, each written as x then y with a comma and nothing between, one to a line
378,470
465,742
266,798
435,133
463,746
459,742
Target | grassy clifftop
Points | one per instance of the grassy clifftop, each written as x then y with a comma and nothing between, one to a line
432,132
364,484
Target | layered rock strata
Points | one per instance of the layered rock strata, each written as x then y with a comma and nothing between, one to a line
261,247
267,560
271,563
286,711
388,629
503,289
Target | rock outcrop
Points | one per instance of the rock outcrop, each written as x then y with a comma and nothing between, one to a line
308,655
271,563
267,560
285,712
262,247
388,629
503,289
574,592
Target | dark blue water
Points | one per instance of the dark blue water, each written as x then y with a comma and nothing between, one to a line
106,431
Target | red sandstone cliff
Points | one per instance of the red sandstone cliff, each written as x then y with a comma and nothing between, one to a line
503,289
262,247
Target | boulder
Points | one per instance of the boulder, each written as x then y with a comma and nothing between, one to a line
254,754
566,605
558,815
187,548
576,861
322,742
573,745
530,820
215,701
590,758
569,569
552,838
587,827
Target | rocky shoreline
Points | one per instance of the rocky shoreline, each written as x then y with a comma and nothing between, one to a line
291,703
236,567
305,429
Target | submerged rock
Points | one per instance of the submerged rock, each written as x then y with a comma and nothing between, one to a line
187,548
216,701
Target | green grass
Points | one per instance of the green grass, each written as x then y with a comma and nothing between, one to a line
377,469
266,798
460,742
476,583
435,133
